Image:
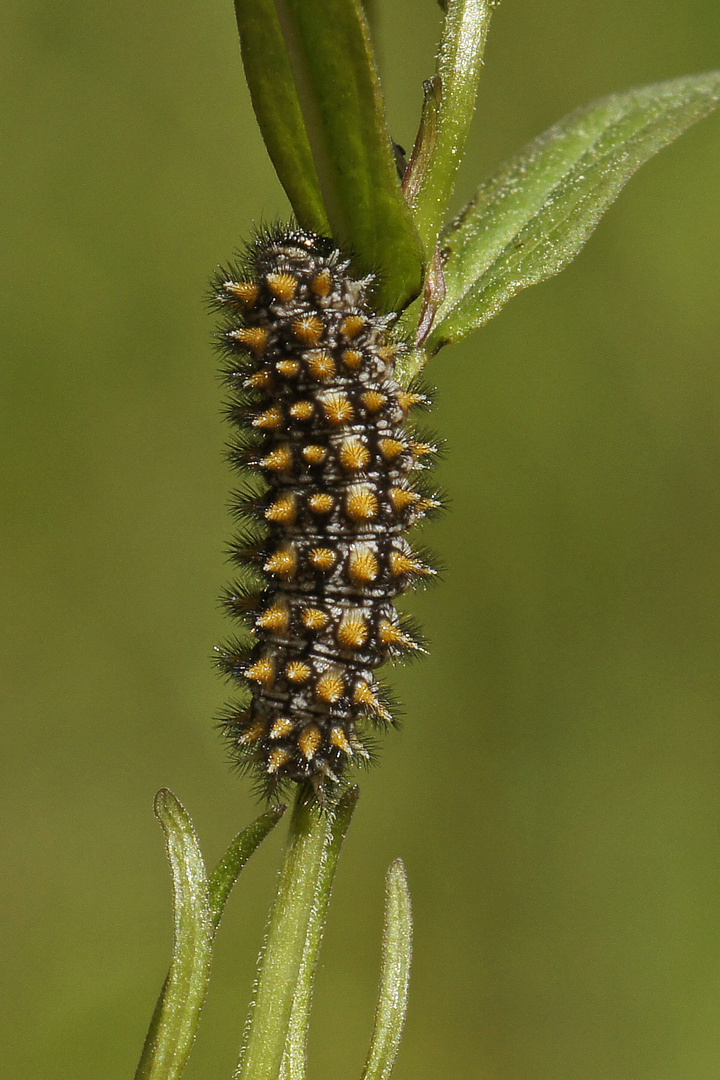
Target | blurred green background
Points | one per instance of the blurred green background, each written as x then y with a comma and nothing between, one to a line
555,791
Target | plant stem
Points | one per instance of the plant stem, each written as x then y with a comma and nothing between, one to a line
288,959
448,112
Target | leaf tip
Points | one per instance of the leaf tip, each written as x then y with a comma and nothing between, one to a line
164,800
350,798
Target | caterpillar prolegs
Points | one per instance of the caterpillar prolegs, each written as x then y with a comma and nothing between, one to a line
321,424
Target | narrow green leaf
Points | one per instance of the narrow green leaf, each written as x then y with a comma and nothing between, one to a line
331,54
177,1014
294,931
279,116
530,220
394,977
245,843
198,905
293,1067
447,115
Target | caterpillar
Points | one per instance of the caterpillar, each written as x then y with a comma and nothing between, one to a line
336,482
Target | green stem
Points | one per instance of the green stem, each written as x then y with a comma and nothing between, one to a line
449,108
288,960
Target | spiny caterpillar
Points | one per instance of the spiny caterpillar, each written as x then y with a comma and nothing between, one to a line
321,423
